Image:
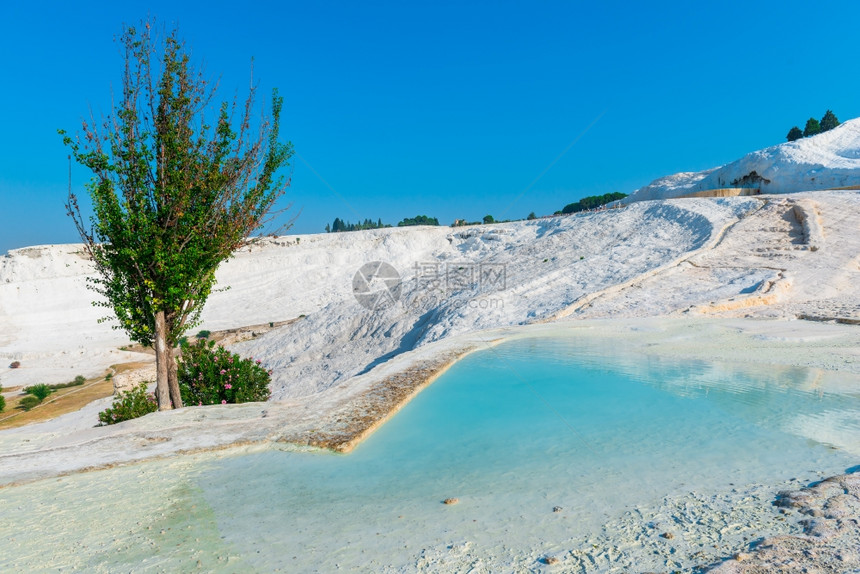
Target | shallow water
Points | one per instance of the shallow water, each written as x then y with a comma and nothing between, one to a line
628,446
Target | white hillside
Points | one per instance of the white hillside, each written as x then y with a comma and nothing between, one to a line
537,268
826,161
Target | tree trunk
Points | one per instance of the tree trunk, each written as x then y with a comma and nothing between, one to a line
163,357
173,382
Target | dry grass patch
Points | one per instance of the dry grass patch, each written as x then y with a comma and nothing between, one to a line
58,403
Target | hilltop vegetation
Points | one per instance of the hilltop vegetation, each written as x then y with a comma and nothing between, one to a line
592,202
813,127
418,220
339,225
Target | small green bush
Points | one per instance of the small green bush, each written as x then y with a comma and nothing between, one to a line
129,405
204,334
79,380
41,392
29,402
2,403
109,376
210,375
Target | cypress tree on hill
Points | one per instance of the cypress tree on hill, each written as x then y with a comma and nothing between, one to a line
829,121
812,128
794,134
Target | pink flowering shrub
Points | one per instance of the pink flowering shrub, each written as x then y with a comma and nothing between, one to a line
210,375
129,405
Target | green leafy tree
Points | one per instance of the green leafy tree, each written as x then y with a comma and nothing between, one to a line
812,128
129,404
531,216
794,134
40,391
29,402
829,121
172,195
489,219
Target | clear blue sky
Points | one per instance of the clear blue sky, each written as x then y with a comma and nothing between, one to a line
450,109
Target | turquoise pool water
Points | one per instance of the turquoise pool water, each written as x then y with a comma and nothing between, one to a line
624,447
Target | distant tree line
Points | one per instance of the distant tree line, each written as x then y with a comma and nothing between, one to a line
418,220
813,126
593,202
340,225
486,220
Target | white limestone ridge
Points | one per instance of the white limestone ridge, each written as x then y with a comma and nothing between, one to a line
825,161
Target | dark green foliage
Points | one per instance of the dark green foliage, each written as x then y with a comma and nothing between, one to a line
812,128
109,376
489,219
418,220
179,184
829,121
2,403
129,405
204,334
592,202
29,402
339,225
79,380
531,216
794,134
171,196
210,375
41,391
